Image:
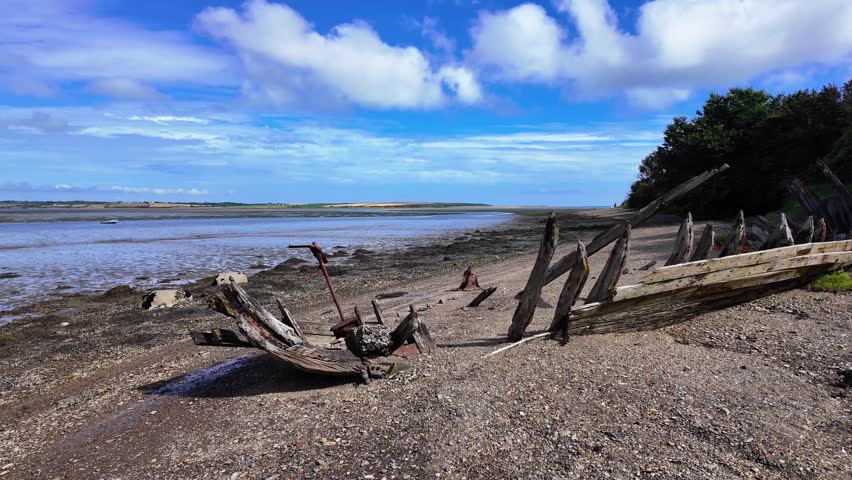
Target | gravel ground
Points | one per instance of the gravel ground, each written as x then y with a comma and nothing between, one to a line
746,392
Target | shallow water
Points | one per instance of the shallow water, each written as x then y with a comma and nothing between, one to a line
60,257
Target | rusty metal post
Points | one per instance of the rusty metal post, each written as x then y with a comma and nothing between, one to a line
321,258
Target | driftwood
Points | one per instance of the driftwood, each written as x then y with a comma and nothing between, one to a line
683,242
518,343
781,236
573,286
482,296
705,244
737,237
806,232
567,262
820,231
611,272
529,298
380,318
245,306
843,195
469,280
219,304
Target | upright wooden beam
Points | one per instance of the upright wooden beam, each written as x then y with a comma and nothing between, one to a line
842,193
567,262
737,238
806,233
529,298
705,244
820,230
781,236
605,285
683,242
807,199
573,286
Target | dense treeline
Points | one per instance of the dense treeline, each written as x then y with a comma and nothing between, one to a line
767,140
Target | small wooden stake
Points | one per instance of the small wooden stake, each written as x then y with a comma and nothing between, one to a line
288,319
705,244
611,272
482,296
780,237
526,306
573,286
378,311
683,242
737,239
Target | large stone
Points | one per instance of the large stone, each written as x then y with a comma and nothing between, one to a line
164,298
369,341
226,277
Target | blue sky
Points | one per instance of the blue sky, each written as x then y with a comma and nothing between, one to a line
541,103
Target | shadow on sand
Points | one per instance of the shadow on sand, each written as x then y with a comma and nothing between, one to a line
242,376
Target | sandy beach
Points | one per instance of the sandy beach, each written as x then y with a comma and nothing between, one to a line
747,392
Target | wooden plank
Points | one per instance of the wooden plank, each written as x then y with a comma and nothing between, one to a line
720,276
745,259
573,286
358,318
705,244
567,262
806,233
683,242
243,304
608,279
423,339
378,311
482,296
671,307
737,237
529,298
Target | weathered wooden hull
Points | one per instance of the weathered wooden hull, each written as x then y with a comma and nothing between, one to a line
677,293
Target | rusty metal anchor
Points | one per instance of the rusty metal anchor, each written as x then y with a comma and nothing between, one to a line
340,328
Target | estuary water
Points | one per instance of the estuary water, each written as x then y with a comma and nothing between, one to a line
40,259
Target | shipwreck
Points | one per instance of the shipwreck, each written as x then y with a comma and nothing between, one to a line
694,280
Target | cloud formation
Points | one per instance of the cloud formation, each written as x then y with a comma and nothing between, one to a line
286,58
677,46
48,43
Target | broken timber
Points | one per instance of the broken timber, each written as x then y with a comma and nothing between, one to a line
573,286
781,235
737,239
611,272
705,244
806,233
529,298
567,262
482,296
683,242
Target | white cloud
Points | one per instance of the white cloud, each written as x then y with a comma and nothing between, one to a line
286,60
164,119
159,191
125,88
677,46
64,187
52,42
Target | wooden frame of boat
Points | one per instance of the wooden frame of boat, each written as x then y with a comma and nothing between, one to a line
284,340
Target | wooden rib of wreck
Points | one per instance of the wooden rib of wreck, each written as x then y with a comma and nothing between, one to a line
677,293
284,340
